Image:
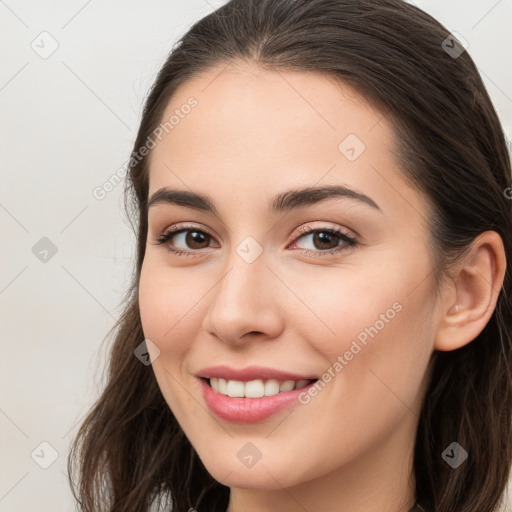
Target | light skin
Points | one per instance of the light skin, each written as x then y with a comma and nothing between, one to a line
255,134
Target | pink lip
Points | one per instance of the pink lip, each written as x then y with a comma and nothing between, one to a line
248,410
250,373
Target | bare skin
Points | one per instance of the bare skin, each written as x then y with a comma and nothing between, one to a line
296,307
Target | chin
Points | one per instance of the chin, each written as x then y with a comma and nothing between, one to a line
262,476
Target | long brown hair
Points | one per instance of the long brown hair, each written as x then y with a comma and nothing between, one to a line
130,451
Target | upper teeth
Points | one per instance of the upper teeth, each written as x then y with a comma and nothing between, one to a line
254,388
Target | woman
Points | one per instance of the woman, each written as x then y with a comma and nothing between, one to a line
321,284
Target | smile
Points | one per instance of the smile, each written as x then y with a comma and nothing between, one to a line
255,388
248,402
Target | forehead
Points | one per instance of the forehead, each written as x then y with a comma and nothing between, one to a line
248,101
254,130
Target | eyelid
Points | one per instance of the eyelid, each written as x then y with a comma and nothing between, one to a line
348,241
184,227
323,225
303,230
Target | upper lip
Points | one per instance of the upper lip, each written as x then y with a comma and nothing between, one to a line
250,373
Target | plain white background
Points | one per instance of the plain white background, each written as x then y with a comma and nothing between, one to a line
69,120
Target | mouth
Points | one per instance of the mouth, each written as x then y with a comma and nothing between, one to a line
248,401
257,388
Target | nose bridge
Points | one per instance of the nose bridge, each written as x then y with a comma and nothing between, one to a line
243,300
246,272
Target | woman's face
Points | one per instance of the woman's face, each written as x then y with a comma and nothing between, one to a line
255,289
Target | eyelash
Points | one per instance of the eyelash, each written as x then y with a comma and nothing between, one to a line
352,242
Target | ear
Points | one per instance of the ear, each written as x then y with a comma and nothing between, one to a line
471,299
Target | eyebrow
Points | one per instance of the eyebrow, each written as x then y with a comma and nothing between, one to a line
286,201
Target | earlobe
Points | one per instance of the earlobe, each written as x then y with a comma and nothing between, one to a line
476,287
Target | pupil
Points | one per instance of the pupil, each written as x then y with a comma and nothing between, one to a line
192,237
323,238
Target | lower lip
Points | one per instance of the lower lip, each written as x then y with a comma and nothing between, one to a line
248,410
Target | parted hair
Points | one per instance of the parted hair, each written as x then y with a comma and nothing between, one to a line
130,451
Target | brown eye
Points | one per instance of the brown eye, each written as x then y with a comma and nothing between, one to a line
323,240
185,240
196,239
327,240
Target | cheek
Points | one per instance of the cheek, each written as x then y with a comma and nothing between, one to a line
169,307
379,323
169,310
382,297
375,334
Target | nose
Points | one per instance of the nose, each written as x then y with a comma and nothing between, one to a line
244,304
